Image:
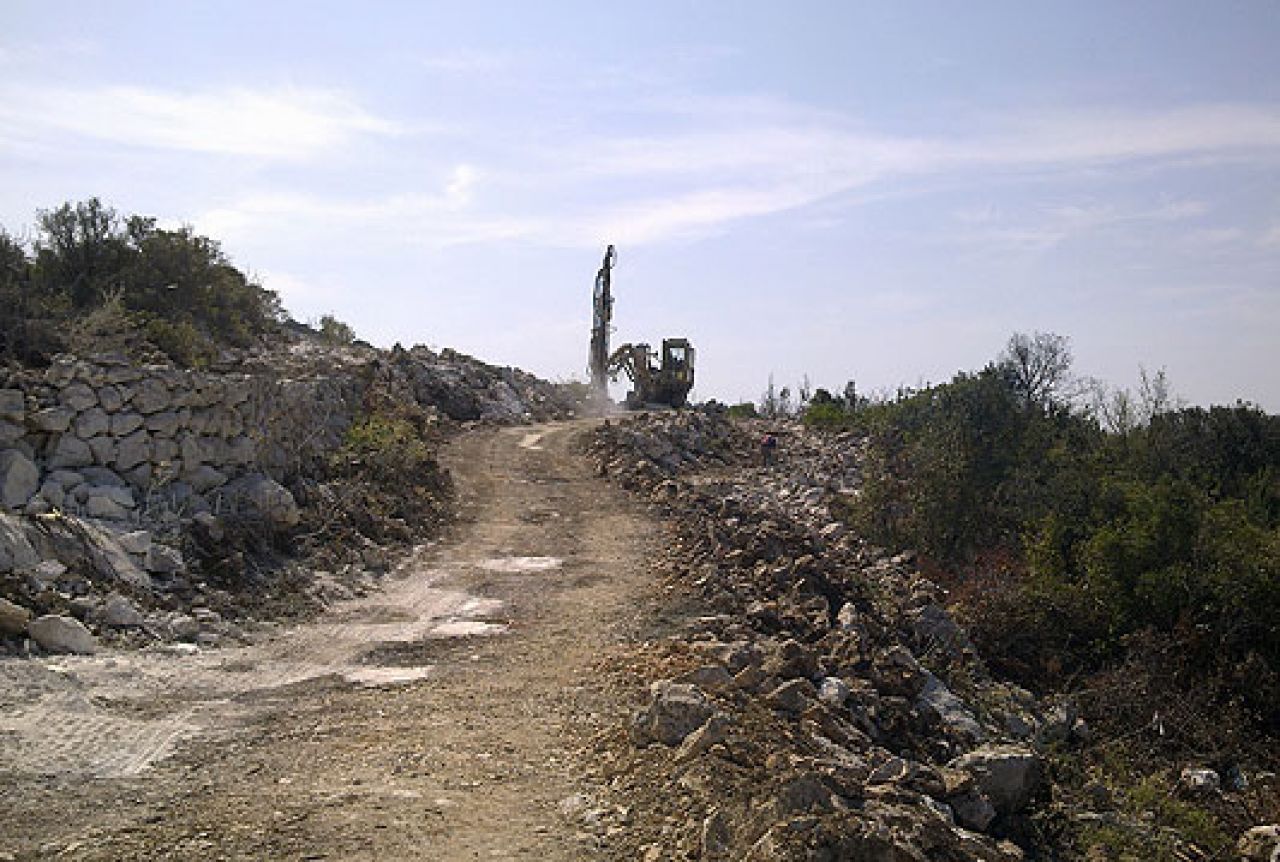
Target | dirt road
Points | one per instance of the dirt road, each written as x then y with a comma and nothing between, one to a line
431,720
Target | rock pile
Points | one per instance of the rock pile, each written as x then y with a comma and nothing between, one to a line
830,707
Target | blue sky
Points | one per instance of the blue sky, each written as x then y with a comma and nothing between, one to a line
882,192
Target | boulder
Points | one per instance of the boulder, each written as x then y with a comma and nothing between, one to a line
940,703
60,634
675,711
118,612
1008,775
13,619
19,478
265,498
972,810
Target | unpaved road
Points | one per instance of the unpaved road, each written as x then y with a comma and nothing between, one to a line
431,720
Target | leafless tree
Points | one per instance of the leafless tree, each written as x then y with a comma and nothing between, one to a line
1039,367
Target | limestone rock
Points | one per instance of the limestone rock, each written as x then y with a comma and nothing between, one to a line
13,618
19,479
118,612
675,711
265,498
1008,775
61,634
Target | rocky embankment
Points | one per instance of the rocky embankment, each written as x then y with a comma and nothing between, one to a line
824,704
119,480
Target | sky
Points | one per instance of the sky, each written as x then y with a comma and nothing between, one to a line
879,192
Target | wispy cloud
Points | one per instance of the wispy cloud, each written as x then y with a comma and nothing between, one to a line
433,220
275,123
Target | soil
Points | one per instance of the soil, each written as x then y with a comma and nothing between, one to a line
439,717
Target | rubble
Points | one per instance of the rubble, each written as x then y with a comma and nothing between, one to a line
859,722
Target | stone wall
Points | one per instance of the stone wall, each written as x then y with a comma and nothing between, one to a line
104,438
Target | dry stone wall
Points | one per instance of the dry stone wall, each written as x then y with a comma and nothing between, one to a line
104,438
107,439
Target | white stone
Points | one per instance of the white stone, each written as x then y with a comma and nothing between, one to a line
62,634
19,478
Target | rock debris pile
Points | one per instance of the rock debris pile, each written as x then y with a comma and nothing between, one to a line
115,475
829,707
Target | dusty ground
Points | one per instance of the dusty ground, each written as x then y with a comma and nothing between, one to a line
434,719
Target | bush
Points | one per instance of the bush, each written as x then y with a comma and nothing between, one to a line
175,288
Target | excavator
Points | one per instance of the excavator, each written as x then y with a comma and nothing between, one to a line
657,378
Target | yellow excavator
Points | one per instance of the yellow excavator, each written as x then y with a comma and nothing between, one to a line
657,378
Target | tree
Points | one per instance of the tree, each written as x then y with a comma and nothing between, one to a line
1037,367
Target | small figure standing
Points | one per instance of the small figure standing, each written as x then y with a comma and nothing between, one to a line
768,446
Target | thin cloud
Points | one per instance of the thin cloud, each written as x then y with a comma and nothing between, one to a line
275,123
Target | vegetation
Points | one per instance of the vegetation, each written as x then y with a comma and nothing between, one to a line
94,278
1126,550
